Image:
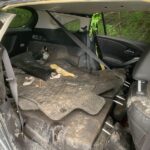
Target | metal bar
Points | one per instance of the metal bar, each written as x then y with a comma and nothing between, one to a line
120,97
117,102
107,132
127,82
110,125
139,86
126,85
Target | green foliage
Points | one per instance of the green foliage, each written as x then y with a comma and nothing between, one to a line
130,25
94,25
73,26
23,17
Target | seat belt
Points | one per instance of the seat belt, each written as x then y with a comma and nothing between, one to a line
79,42
146,144
12,82
132,61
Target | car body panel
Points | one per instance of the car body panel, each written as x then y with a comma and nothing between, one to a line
76,6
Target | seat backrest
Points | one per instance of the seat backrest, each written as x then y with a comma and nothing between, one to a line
142,68
139,104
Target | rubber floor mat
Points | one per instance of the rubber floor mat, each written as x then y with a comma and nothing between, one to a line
58,97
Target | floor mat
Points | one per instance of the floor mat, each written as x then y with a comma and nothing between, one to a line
58,97
78,129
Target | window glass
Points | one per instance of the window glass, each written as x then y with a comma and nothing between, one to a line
129,25
24,18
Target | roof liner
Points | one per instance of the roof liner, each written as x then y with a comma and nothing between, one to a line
80,6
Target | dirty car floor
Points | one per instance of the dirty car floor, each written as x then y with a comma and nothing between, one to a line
66,113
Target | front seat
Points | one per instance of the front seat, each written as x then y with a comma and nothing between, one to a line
139,104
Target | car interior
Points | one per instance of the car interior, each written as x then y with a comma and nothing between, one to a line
69,99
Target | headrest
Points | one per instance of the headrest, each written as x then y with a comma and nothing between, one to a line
142,68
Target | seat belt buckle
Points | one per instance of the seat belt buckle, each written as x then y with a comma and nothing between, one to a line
10,79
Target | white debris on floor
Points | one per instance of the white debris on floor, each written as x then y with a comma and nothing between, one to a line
28,81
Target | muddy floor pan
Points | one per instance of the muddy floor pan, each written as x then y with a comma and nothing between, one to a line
67,113
76,131
56,98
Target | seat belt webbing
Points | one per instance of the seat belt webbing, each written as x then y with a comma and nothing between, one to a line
78,42
12,81
146,144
